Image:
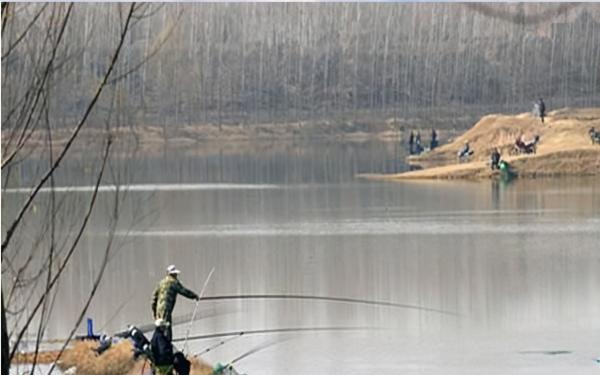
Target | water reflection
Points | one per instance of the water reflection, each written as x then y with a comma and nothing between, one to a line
510,258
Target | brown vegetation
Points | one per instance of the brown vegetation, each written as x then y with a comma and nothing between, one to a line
117,360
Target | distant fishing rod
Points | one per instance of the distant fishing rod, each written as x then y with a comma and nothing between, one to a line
331,299
275,330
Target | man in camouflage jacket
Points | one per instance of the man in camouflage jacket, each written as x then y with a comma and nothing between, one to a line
165,296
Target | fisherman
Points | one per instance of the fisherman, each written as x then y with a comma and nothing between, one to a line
594,135
165,296
104,343
464,151
539,109
411,143
529,147
141,345
163,358
434,141
161,348
418,147
495,159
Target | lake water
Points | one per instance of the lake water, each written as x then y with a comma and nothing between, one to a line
516,265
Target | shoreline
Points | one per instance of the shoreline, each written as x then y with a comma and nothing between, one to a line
565,149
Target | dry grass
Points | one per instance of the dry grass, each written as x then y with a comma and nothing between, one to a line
118,360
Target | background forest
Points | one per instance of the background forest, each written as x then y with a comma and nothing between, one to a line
254,63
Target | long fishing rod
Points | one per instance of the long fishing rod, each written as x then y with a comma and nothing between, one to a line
220,343
332,299
196,308
254,350
276,330
145,328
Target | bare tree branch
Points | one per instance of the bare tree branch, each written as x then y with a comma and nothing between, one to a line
23,136
69,254
20,37
72,138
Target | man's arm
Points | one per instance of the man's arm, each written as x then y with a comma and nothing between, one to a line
154,302
186,292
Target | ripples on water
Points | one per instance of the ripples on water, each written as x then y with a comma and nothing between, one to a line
519,262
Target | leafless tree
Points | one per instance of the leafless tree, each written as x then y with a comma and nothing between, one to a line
46,56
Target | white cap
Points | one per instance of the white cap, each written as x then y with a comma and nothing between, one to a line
172,270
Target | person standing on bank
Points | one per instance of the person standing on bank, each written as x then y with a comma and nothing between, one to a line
165,296
539,109
434,139
411,143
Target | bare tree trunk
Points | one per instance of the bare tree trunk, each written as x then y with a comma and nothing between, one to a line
5,348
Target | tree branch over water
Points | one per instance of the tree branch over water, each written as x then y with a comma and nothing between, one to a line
34,276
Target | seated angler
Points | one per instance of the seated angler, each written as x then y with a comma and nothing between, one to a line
464,152
141,345
164,359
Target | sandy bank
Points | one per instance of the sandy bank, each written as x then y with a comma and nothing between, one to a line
565,148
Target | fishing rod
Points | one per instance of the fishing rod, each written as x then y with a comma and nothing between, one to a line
145,328
196,308
331,299
220,343
228,368
117,312
276,330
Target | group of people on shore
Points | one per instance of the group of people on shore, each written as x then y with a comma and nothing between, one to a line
415,146
521,146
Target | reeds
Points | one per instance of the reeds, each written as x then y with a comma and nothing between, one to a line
117,360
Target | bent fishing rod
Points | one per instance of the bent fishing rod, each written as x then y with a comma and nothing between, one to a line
275,330
330,299
220,343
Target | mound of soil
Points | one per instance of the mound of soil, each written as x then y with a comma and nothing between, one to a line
565,147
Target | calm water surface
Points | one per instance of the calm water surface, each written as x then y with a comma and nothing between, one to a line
519,263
